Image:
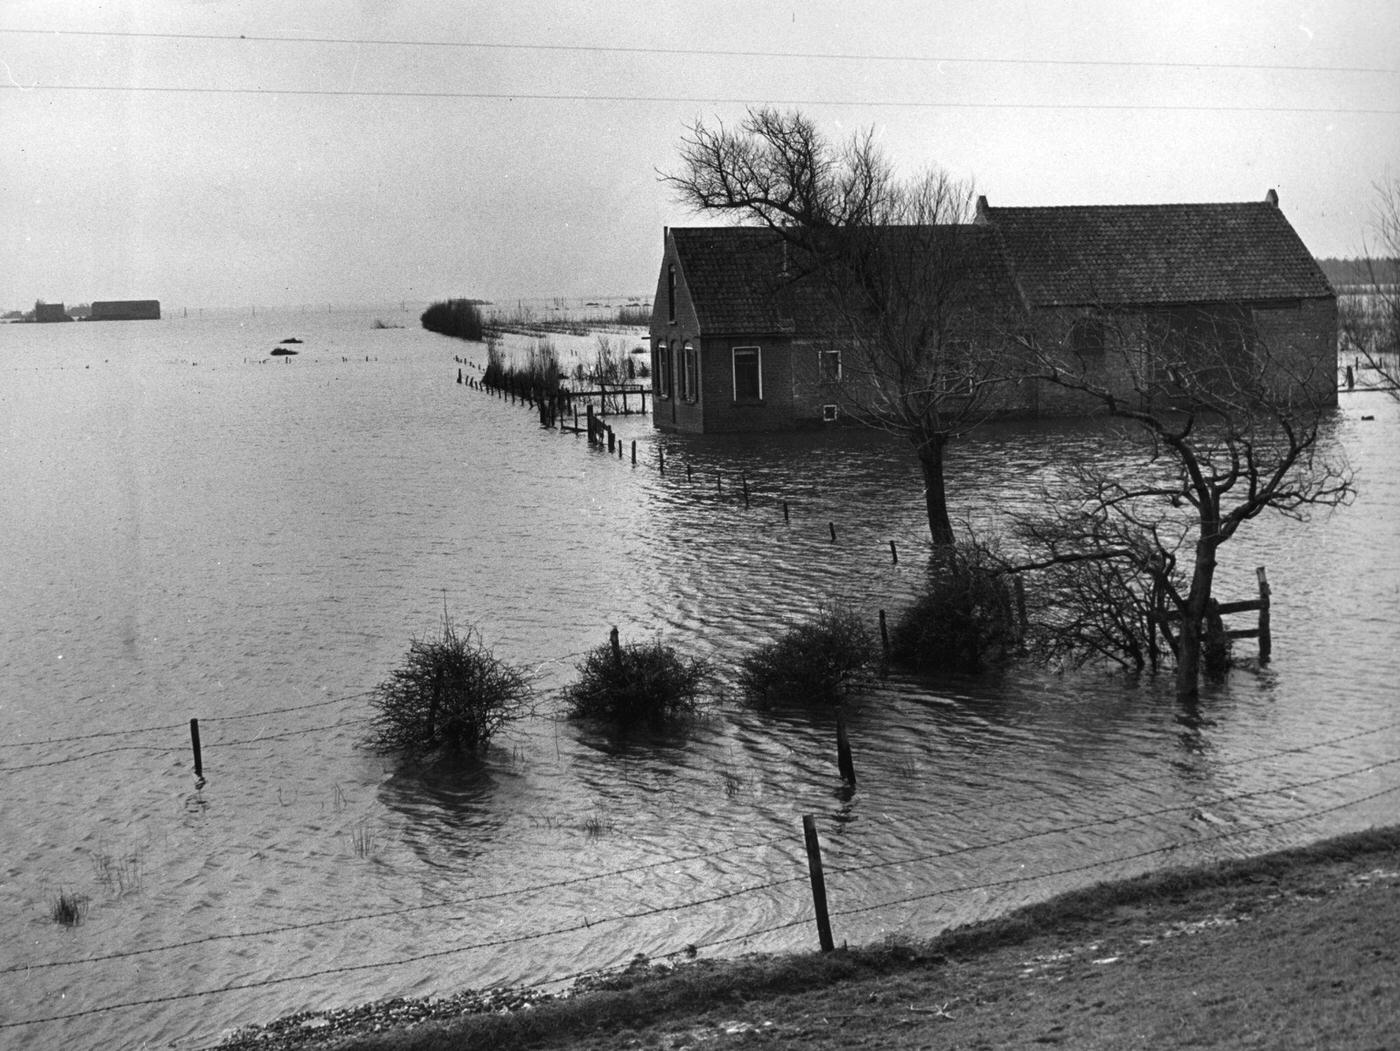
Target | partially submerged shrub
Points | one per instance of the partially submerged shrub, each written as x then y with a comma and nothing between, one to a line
450,692
965,621
641,683
68,908
812,663
454,317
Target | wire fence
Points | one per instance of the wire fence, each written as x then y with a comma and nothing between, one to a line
843,875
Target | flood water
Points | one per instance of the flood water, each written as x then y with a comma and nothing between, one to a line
191,529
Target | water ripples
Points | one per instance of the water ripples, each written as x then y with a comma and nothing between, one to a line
231,538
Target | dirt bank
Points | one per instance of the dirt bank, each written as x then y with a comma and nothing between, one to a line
1291,950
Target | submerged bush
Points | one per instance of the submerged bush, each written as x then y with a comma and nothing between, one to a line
965,621
639,684
450,692
812,663
68,908
454,317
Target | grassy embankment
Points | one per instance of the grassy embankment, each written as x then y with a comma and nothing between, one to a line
1290,950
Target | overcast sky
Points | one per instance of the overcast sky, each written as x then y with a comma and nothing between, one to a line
232,152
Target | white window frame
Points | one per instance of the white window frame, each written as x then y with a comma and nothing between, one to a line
663,370
690,372
824,374
734,372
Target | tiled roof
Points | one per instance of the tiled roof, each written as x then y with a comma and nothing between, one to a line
741,280
732,273
1156,254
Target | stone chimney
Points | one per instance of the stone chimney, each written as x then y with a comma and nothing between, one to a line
1271,197
982,208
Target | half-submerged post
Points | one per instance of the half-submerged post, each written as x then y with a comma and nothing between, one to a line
1266,638
616,646
744,479
814,868
843,750
198,755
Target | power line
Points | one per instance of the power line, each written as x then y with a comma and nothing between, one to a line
527,96
710,52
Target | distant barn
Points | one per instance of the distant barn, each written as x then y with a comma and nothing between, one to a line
48,312
126,310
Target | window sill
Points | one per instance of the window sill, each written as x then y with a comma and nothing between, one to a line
753,403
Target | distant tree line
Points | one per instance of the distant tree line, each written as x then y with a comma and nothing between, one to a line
455,317
1362,271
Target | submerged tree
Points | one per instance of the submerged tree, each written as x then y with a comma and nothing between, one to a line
1232,430
1370,313
897,279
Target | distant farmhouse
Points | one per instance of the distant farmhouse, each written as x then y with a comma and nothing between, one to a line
50,312
739,345
126,310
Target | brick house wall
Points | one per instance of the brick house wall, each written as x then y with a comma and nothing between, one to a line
1301,335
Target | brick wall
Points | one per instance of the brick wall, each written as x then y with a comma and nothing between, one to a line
1301,337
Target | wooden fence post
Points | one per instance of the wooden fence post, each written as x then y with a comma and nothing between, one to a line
814,868
843,750
832,526
894,554
744,479
194,743
1266,638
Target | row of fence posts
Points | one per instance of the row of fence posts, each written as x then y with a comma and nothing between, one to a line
600,434
559,403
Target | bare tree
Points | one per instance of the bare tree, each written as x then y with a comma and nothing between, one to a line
1231,431
1370,314
897,280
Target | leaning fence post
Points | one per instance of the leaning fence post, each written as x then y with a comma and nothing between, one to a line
814,868
1266,638
194,743
744,479
894,554
832,527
